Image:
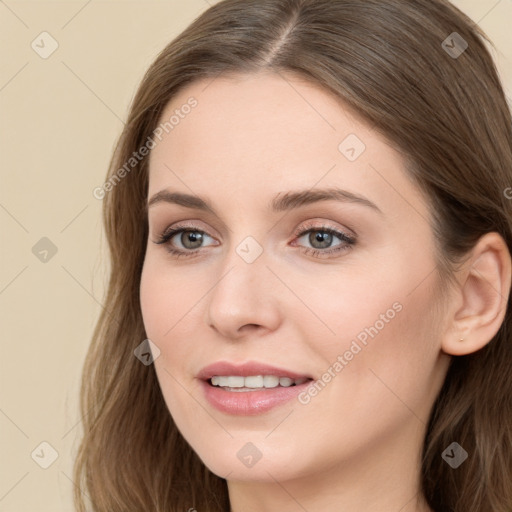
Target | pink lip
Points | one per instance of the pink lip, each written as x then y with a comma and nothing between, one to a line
246,370
248,403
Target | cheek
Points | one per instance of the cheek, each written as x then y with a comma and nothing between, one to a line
381,325
349,307
389,353
153,300
164,307
171,313
165,298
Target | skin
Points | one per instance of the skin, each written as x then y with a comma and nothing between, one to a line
356,445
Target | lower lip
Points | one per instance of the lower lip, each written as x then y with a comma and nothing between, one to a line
250,403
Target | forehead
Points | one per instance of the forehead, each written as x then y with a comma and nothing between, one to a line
259,117
263,133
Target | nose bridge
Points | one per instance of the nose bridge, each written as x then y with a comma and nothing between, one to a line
244,273
246,257
243,292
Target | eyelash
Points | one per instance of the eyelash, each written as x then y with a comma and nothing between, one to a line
166,236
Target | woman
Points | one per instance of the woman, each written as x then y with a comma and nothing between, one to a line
310,234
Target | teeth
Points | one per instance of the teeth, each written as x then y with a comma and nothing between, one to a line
255,381
270,381
235,382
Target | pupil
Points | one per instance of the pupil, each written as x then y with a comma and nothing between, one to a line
191,237
324,238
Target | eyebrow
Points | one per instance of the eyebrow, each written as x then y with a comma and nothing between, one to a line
281,202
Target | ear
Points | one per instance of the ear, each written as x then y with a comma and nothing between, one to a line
479,302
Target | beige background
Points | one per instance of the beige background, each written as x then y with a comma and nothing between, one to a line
60,117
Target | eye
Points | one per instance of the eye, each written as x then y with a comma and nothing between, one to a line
189,239
321,239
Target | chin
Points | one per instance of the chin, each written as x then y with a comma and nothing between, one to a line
242,460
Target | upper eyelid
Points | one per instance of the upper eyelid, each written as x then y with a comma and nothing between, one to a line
196,225
179,227
301,231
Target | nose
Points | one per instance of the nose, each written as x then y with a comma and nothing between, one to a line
244,299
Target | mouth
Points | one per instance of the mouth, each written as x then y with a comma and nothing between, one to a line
251,388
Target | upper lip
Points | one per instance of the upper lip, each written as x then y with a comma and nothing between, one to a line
247,369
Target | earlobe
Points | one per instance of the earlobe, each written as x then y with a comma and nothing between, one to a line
481,297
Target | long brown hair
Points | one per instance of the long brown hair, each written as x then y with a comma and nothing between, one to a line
447,114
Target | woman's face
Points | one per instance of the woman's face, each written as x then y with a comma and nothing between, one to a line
340,291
